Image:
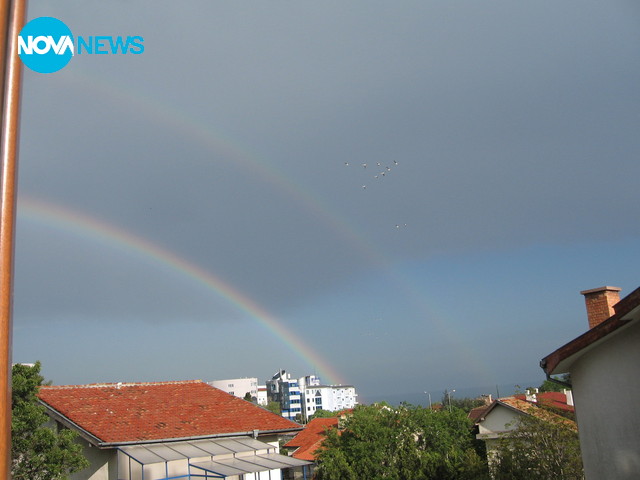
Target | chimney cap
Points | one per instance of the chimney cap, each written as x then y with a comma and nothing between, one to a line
600,289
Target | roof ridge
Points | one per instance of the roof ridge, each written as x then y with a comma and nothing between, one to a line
122,384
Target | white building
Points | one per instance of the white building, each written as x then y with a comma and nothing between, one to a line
239,387
286,391
262,395
301,398
332,398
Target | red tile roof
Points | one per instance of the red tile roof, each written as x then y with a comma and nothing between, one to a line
477,413
551,399
118,413
530,408
309,440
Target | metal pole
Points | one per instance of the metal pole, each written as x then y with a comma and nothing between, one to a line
12,68
4,25
429,393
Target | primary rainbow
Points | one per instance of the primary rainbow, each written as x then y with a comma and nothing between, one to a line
72,221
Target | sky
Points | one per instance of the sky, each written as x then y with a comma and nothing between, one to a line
203,210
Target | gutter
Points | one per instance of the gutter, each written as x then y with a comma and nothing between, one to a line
59,417
543,366
251,433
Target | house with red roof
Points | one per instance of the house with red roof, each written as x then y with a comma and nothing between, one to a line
603,365
307,442
495,421
169,430
561,402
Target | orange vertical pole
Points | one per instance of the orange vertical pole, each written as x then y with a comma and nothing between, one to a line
12,14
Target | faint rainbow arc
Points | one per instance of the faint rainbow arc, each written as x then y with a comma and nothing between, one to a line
172,117
72,221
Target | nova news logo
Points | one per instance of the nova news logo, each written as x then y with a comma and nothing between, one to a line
46,45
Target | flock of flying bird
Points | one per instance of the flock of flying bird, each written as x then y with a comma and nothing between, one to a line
382,174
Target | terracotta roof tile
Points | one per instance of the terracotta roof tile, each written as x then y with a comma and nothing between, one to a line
551,399
116,413
477,413
310,439
531,409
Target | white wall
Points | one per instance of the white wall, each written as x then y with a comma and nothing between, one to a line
237,386
103,463
606,392
500,419
333,398
262,395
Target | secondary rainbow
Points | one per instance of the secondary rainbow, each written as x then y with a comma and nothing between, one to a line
72,221
212,138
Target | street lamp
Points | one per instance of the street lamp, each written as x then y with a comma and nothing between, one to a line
429,393
452,391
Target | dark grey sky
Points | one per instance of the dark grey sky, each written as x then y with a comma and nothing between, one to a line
514,128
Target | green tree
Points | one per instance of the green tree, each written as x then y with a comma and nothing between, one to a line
380,442
539,448
464,403
38,451
323,414
467,404
274,407
550,386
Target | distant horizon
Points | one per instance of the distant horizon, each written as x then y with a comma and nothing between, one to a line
420,398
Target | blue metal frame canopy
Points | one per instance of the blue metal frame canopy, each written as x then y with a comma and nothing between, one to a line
248,464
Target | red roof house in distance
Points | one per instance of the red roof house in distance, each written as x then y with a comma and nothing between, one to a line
562,401
156,431
497,420
309,440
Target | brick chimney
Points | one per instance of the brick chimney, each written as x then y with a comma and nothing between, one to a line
600,302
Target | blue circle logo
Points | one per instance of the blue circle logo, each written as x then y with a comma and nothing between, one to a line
45,45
